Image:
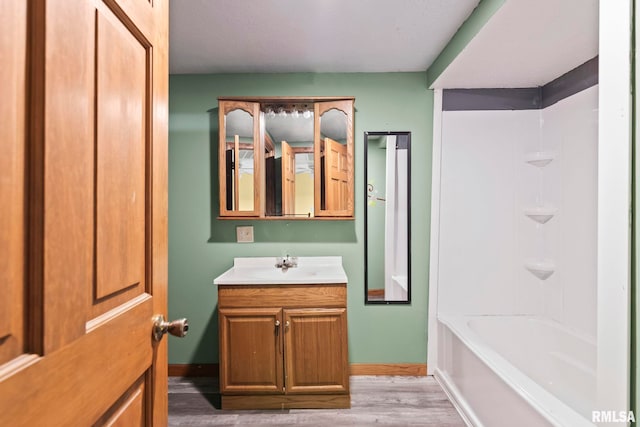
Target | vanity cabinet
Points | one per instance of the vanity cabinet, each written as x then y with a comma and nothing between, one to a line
283,346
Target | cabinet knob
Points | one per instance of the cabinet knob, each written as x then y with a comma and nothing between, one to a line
286,325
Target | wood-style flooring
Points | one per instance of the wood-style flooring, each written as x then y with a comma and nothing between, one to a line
375,400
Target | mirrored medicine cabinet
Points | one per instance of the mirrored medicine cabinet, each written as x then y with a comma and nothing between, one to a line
286,158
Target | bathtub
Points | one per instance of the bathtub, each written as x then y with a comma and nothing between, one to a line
516,370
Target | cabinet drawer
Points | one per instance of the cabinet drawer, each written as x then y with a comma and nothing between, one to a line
330,295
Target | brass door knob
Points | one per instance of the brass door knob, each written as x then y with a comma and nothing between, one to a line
177,328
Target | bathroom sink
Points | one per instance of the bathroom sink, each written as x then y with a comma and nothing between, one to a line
263,270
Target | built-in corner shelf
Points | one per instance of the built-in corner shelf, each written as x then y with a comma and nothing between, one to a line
540,214
541,269
539,158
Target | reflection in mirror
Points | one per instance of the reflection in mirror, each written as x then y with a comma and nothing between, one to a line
387,218
288,159
239,157
304,181
334,182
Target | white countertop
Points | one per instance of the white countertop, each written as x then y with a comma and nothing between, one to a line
262,271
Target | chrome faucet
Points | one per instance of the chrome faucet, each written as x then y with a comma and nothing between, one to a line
286,262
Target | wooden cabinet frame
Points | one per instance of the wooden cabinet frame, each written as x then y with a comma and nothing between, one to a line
338,201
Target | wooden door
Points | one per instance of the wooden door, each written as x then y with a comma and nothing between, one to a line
336,175
83,184
288,180
316,357
251,350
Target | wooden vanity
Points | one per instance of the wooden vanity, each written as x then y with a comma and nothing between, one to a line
283,345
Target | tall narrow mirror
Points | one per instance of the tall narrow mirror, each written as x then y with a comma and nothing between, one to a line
387,217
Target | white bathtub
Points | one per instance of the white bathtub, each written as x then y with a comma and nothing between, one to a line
516,370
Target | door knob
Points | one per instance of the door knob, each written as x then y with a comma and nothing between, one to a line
177,328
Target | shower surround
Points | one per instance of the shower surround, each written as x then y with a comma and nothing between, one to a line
517,262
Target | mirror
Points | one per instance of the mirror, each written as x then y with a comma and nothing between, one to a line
387,217
333,161
333,145
289,168
238,160
286,158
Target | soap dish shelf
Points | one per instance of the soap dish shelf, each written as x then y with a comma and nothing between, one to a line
541,269
539,158
541,215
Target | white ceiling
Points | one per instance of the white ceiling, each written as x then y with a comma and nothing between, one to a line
526,43
260,36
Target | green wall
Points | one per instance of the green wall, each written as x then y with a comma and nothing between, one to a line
202,247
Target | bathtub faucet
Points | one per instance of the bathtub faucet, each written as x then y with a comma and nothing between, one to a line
287,262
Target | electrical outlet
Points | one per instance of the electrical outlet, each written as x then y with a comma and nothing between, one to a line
244,234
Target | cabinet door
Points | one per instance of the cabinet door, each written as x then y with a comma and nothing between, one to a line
251,350
316,356
333,157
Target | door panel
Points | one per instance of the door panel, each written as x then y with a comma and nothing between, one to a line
75,386
129,410
121,144
316,358
62,173
13,42
253,337
83,248
336,176
138,12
